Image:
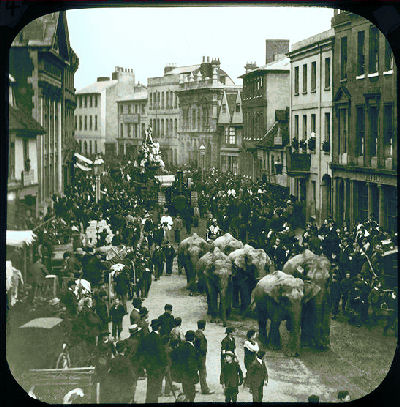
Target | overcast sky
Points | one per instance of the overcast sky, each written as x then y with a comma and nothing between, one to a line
146,39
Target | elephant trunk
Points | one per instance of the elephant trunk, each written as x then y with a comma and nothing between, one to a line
295,324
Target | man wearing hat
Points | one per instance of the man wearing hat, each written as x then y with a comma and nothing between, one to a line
256,376
169,253
200,344
167,321
153,357
228,343
143,324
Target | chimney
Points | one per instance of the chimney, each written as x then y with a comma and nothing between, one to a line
168,68
208,59
204,60
250,66
275,47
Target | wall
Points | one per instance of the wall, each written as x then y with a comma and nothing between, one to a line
277,94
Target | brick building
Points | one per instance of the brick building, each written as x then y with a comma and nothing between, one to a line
310,154
364,161
265,90
201,94
43,65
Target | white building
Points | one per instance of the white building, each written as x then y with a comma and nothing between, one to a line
310,155
96,114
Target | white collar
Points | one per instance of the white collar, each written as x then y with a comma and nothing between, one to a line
259,360
136,309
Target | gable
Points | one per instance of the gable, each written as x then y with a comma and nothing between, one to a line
224,116
342,95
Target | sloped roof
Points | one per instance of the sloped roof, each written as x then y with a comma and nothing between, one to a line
231,99
134,96
237,117
313,39
280,65
277,129
97,87
20,120
183,69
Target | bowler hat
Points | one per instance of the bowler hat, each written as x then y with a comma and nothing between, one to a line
228,353
133,329
229,330
143,311
155,324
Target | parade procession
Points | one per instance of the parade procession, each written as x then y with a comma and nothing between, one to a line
186,263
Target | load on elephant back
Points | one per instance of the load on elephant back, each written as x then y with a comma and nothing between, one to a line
300,294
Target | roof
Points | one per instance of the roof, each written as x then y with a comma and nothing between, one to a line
280,65
312,40
183,69
97,87
135,96
231,99
19,120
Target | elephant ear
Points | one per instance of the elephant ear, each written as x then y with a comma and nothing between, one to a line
310,290
279,285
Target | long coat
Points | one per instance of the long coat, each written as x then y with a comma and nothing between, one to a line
153,353
185,363
257,374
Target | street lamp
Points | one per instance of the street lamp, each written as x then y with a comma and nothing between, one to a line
98,169
202,150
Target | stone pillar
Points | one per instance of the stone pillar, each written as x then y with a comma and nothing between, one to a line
334,199
351,206
381,206
370,198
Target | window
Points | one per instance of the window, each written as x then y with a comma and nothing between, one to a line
361,53
85,122
373,127
343,58
162,100
224,108
143,108
327,73
121,109
360,131
342,128
95,100
76,122
373,50
296,80
80,122
129,108
86,101
80,146
143,130
121,131
304,127
237,107
314,191
313,123
296,126
91,102
90,123
162,128
313,76
176,126
388,57
328,127
232,135
151,101
305,78
388,130
95,122
193,119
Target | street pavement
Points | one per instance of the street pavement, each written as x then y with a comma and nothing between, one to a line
289,379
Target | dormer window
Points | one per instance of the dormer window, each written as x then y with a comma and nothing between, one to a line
237,107
224,108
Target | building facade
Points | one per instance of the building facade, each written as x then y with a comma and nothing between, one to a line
230,129
265,90
273,149
43,65
310,153
23,180
96,115
132,123
201,93
364,160
164,112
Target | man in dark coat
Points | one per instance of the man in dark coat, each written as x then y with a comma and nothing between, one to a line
122,286
169,253
101,310
185,363
93,272
69,299
167,321
231,377
228,344
256,376
154,360
200,344
38,274
158,261
135,313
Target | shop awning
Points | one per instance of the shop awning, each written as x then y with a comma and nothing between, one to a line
166,180
19,237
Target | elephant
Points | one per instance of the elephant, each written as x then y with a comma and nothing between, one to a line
249,265
316,313
217,271
189,252
279,296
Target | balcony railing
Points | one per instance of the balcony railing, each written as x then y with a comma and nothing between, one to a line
27,178
298,162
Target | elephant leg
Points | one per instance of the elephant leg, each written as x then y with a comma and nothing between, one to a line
213,300
235,294
274,338
262,327
245,296
224,303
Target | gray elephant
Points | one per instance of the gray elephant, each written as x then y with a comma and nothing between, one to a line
217,271
280,297
316,313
